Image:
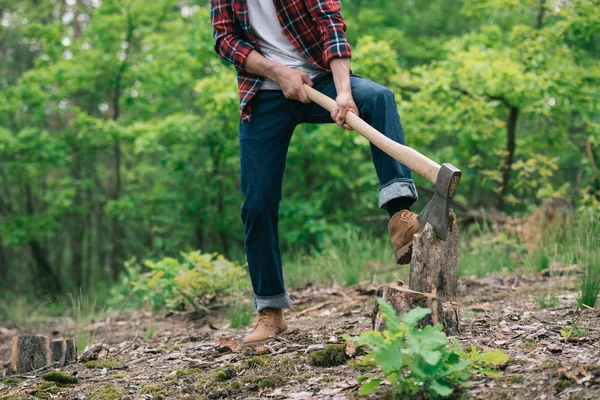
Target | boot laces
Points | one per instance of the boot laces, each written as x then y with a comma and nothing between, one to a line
406,215
263,317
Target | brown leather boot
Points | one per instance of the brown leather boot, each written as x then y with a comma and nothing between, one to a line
269,322
402,227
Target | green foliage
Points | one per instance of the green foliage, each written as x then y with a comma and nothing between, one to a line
420,360
59,377
194,282
118,131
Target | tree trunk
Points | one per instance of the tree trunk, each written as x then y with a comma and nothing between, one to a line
511,130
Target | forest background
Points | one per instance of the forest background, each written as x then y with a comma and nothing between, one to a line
118,132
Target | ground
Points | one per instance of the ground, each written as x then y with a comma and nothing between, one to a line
555,353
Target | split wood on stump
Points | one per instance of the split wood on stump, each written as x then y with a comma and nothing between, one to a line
433,281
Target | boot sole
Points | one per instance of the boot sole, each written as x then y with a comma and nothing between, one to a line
404,255
261,342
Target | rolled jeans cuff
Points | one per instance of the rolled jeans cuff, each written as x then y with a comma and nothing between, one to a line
279,301
397,188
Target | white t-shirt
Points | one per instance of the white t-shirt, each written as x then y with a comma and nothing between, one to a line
274,45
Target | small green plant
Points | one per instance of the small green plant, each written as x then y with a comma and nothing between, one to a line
192,283
416,360
59,377
547,301
573,330
149,334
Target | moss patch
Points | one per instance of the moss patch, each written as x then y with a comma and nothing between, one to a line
330,356
106,392
59,377
185,372
42,395
562,384
45,385
267,384
258,362
362,366
225,374
12,381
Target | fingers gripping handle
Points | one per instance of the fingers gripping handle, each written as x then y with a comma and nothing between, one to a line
407,156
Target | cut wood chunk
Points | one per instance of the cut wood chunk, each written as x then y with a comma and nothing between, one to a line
29,353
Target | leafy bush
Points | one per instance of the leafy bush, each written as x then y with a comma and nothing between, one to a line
195,282
415,360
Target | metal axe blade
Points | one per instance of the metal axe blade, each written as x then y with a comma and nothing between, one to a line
437,212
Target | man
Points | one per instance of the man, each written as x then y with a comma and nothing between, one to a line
277,46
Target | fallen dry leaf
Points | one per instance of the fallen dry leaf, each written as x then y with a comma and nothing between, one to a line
227,344
351,349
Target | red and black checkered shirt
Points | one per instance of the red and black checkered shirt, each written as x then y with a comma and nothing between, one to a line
315,27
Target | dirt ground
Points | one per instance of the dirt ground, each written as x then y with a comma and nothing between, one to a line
172,357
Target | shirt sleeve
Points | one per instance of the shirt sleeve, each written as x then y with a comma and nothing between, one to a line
333,28
227,33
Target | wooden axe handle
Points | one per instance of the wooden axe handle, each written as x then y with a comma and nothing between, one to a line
407,156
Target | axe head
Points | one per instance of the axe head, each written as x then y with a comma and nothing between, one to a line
437,212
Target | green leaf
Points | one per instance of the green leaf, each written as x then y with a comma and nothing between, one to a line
368,387
440,389
495,357
415,315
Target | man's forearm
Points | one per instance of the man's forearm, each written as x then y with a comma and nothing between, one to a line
257,64
289,80
340,68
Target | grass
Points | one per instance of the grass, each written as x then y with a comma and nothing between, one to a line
547,301
240,314
84,309
483,252
346,259
587,254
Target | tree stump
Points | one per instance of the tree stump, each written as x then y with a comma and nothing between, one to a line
433,281
64,352
435,262
29,353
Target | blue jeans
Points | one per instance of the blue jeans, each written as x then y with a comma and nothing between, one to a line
264,143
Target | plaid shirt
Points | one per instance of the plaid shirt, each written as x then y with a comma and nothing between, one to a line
315,27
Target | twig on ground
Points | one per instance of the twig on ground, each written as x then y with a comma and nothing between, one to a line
33,374
126,347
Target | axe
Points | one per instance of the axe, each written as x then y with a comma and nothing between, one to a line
445,177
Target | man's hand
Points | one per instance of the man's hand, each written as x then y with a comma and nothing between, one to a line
291,83
345,103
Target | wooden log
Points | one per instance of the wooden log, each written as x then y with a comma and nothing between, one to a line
435,262
433,281
29,353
